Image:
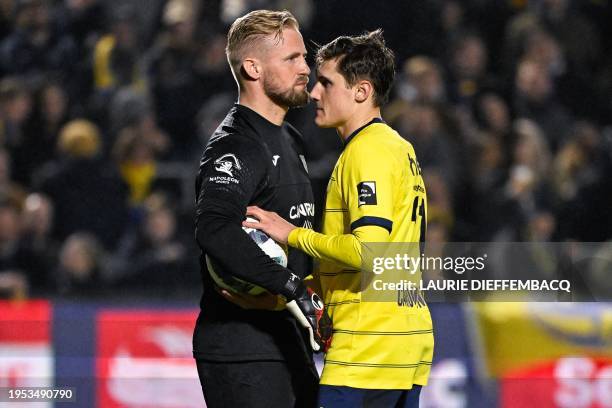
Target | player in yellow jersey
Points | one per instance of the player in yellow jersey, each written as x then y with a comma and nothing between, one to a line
381,352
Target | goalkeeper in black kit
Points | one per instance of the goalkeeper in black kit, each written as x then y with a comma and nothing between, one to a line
253,357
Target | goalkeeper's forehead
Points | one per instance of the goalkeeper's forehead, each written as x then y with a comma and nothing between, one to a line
288,41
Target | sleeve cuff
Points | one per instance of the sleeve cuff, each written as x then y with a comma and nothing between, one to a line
295,236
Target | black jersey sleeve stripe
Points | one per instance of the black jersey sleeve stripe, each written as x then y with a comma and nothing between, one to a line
376,221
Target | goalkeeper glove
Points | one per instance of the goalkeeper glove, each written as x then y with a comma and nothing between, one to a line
307,307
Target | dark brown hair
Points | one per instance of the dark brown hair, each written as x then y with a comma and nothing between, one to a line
363,57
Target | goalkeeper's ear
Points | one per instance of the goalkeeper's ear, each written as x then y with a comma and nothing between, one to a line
251,68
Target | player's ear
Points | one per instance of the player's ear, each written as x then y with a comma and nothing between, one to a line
363,90
251,67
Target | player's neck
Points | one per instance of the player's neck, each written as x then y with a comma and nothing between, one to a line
264,106
356,121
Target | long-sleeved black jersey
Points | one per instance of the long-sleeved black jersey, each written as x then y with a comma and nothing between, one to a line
248,161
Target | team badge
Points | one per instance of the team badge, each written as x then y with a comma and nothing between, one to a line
366,191
227,163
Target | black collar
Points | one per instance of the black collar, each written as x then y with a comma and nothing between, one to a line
352,135
255,118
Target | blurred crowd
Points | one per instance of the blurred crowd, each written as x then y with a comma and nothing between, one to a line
105,107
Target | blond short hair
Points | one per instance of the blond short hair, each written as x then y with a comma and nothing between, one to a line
79,138
253,27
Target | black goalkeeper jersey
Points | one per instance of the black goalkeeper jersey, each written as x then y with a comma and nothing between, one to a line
249,161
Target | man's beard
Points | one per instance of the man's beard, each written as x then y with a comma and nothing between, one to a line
289,98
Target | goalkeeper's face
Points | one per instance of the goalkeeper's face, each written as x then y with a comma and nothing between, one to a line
285,75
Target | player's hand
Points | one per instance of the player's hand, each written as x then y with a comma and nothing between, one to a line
307,307
271,223
265,301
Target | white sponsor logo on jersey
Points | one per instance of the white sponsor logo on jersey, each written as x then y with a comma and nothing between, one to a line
227,163
302,209
275,159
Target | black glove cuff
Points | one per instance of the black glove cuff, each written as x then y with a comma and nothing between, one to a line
294,288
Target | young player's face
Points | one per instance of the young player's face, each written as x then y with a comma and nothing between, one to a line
285,76
334,98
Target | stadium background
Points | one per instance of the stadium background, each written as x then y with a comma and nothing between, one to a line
105,107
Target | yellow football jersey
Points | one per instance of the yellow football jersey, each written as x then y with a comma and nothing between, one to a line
376,182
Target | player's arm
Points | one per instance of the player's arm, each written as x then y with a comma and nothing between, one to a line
344,249
367,186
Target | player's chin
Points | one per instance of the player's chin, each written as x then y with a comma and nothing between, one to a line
320,120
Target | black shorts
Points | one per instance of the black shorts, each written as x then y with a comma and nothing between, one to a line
255,384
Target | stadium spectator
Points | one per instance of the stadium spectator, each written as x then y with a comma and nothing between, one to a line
86,19
36,241
427,134
467,68
152,256
11,256
541,47
37,148
13,285
135,156
79,271
577,36
582,187
425,77
175,83
37,47
87,192
117,55
133,109
488,174
534,99
494,115
527,190
15,107
10,191
7,9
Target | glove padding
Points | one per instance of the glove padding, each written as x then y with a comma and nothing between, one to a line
307,307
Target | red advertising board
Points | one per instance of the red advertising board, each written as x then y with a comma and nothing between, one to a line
144,359
26,357
569,382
